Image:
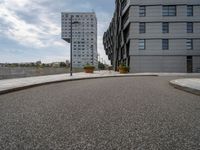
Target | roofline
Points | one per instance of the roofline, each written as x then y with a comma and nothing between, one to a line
79,12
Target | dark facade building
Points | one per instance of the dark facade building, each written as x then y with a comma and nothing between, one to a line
155,35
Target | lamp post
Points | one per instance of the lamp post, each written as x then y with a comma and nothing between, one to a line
71,41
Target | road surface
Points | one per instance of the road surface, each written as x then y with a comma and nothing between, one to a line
139,113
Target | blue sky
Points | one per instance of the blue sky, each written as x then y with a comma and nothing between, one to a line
30,29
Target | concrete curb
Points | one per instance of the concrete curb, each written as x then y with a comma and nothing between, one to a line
184,88
14,89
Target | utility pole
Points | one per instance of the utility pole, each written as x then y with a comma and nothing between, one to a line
71,41
71,48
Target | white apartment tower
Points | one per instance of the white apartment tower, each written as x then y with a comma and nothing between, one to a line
84,37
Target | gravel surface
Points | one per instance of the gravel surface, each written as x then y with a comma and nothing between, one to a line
138,113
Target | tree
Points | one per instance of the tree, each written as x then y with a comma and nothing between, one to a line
62,65
101,66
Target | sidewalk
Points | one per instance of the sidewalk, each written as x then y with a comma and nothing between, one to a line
191,85
10,85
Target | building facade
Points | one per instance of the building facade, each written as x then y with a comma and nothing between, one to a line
155,35
84,34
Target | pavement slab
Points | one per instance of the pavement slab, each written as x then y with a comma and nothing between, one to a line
10,85
191,85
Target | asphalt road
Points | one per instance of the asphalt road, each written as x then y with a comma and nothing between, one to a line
138,113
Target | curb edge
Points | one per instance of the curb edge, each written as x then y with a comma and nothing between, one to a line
185,88
65,80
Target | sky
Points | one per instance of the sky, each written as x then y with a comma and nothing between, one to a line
30,30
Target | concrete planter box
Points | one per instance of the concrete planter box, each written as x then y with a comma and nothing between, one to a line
89,69
123,69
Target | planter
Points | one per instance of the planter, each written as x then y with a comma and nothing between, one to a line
89,69
123,70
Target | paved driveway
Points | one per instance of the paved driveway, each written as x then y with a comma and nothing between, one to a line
115,113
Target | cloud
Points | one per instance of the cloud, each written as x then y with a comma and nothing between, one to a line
36,35
16,4
35,24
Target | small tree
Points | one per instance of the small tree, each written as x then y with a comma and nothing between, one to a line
63,65
101,66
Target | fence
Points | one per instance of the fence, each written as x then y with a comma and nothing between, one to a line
18,72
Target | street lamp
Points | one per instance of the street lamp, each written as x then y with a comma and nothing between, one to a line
72,23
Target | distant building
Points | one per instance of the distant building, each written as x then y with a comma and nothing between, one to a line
38,62
155,35
55,64
84,37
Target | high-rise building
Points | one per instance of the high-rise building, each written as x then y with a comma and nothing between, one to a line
155,35
84,34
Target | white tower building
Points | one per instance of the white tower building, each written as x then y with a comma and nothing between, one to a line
84,33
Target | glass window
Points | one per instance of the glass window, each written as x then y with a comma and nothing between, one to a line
165,27
189,27
169,10
189,44
189,10
165,11
165,44
142,11
142,27
142,44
